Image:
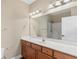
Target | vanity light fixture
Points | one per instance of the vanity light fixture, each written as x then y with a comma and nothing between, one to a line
36,12
51,6
66,1
58,3
31,14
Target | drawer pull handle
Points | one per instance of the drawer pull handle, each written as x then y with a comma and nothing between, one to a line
46,51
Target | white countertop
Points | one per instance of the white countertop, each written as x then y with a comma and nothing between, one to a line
60,45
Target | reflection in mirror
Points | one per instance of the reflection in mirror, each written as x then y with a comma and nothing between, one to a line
39,26
48,26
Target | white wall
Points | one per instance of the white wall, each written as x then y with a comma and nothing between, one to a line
14,23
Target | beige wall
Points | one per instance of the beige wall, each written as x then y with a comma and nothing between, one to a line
14,23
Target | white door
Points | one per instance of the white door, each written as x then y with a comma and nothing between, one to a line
69,28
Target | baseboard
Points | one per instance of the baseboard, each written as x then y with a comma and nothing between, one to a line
17,57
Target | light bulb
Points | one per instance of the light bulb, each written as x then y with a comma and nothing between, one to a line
50,6
58,3
66,1
30,14
34,13
37,11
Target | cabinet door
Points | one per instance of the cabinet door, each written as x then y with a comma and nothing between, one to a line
69,57
30,53
23,50
58,55
43,56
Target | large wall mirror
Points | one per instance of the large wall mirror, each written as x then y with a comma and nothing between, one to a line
49,26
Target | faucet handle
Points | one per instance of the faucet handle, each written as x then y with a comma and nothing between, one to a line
62,35
43,40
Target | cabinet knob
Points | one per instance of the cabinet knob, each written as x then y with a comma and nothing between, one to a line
62,35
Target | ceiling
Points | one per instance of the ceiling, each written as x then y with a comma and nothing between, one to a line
29,2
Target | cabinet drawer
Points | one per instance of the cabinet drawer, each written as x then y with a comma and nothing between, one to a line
25,43
58,55
69,57
47,51
41,55
28,43
37,47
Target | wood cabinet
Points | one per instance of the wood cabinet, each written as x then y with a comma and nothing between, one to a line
30,53
34,51
36,47
47,51
23,49
41,55
69,57
60,55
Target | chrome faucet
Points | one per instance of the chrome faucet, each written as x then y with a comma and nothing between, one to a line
43,40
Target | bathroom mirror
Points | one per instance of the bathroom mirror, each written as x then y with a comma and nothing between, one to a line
49,26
